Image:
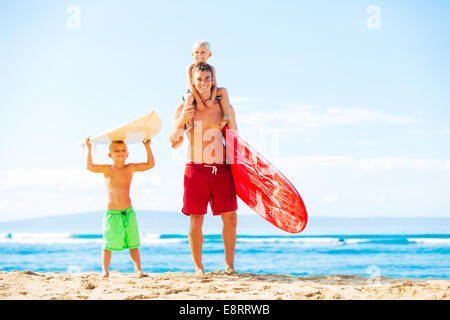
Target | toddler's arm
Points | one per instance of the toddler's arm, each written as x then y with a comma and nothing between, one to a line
210,102
90,166
191,87
150,160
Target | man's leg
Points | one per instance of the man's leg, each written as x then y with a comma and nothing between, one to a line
229,239
196,241
106,259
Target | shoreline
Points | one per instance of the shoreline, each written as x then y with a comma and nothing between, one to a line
28,285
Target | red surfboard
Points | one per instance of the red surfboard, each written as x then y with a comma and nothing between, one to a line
263,187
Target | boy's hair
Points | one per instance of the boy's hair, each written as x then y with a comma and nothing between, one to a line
202,67
200,43
115,142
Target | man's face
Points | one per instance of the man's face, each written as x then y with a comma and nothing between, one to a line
118,151
202,81
201,54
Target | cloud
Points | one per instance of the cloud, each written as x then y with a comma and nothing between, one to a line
446,165
376,198
33,193
329,198
439,132
298,118
368,164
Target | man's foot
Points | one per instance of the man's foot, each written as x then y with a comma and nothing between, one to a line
230,270
141,274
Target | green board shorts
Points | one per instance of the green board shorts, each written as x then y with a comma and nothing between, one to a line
120,230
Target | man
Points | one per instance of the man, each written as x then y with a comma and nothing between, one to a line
207,176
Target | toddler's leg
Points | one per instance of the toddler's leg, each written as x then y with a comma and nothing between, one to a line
106,259
224,104
188,100
136,258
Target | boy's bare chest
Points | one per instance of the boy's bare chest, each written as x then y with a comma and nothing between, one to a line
118,177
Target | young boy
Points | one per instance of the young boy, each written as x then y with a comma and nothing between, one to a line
201,51
120,229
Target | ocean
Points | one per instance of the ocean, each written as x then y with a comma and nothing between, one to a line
390,247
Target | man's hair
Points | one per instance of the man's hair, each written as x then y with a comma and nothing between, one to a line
202,67
116,142
200,43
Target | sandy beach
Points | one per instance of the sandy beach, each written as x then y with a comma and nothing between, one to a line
27,285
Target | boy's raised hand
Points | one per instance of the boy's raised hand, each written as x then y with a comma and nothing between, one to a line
147,142
88,142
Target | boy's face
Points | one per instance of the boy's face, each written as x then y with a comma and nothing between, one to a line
202,81
201,54
118,152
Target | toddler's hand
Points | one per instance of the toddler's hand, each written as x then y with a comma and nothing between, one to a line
200,105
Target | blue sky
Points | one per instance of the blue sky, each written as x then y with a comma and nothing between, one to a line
357,118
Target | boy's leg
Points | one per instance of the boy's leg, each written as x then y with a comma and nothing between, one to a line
224,104
196,241
106,259
229,239
136,258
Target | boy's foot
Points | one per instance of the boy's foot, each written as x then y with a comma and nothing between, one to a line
190,126
105,275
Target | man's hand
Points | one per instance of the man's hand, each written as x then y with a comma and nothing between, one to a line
187,113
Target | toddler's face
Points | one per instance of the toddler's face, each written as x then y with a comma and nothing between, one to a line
201,54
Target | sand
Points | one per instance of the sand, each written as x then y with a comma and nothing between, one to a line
214,286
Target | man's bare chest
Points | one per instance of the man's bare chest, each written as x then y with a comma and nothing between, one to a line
209,118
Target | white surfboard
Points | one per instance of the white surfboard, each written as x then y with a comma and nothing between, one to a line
143,128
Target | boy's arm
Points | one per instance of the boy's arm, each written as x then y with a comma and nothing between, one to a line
192,88
183,115
150,160
89,165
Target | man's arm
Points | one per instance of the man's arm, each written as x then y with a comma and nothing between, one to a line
144,166
183,115
89,165
232,123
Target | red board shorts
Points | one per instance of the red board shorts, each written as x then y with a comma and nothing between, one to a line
211,183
